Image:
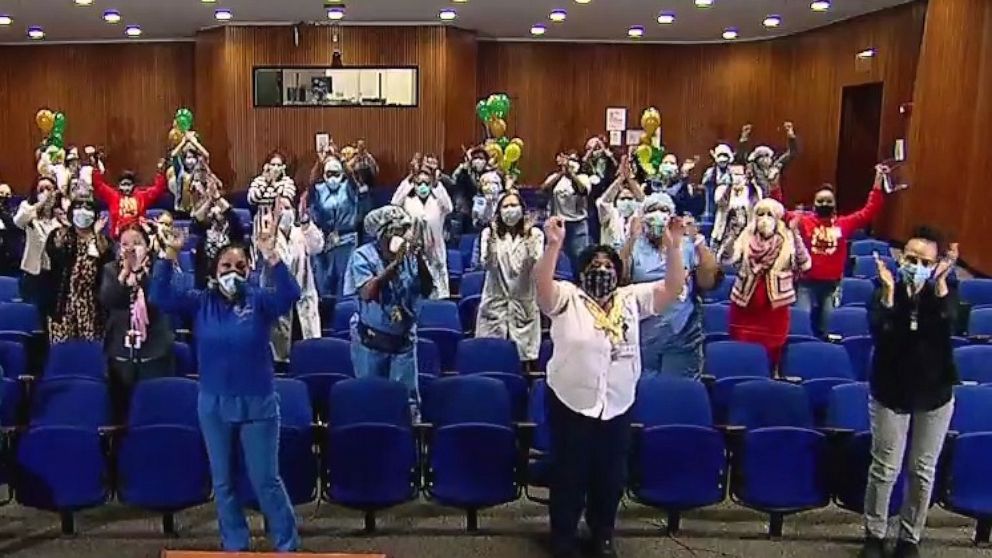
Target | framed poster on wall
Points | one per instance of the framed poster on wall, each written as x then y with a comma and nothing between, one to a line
616,119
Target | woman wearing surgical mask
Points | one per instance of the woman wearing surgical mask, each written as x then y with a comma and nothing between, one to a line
762,163
334,207
268,187
671,343
913,317
77,253
216,225
592,376
389,276
675,181
617,207
237,403
36,216
569,191
139,337
484,203
468,183
297,244
770,256
428,204
189,173
509,248
734,205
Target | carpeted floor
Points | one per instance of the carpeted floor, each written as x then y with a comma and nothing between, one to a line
421,530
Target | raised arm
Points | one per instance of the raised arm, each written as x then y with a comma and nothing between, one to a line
792,146
544,270
443,199
402,192
285,291
668,290
26,213
105,192
166,293
636,229
876,201
158,187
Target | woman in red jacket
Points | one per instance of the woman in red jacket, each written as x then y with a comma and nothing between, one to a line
127,203
827,236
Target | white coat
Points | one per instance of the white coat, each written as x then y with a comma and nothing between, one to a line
429,215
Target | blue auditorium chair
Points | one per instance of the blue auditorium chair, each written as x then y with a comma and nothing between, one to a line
60,460
539,462
466,246
487,354
13,359
19,321
456,266
847,322
438,320
544,355
820,366
370,463
779,464
800,322
319,364
967,486
472,283
856,292
721,292
976,292
10,289
468,311
728,363
974,363
473,451
679,461
979,323
563,269
161,460
185,359
869,247
859,350
716,322
865,267
78,359
340,324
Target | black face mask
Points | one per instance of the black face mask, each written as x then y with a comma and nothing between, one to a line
824,210
599,282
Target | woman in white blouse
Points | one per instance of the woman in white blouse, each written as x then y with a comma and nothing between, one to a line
508,250
428,203
592,377
38,217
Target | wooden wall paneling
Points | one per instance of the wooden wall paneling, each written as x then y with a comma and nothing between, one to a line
460,91
119,96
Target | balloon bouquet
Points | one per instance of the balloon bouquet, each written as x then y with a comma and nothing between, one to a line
182,123
52,125
648,155
189,175
493,111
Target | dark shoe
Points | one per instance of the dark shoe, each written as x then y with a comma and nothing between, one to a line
906,549
604,549
873,548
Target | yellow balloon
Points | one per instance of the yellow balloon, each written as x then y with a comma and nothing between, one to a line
494,151
497,127
45,121
644,154
175,136
512,153
650,120
518,141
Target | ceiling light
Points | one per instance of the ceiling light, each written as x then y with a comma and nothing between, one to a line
557,16
447,14
820,5
538,29
6,20
730,33
460,1
635,32
84,2
132,31
112,16
772,21
666,18
208,1
36,33
582,1
704,3
335,13
223,15
866,53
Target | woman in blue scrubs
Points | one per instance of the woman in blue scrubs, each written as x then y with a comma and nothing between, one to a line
237,399
334,208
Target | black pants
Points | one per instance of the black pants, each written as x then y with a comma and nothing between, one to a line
589,471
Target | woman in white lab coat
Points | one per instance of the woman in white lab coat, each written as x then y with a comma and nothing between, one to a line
428,203
296,244
508,250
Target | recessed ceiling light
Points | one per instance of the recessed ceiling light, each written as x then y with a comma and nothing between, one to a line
730,33
35,32
635,32
866,53
704,3
557,16
132,31
223,15
6,20
208,1
666,18
447,14
582,1
820,5
112,16
772,21
538,29
84,2
335,13
460,1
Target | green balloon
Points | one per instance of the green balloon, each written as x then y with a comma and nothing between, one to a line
56,139
58,124
482,111
656,156
503,104
503,142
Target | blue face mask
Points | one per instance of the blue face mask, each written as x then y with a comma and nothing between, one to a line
626,207
231,284
915,274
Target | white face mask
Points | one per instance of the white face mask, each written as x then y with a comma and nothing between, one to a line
723,159
230,283
669,168
423,190
765,225
478,165
396,244
286,219
573,166
126,187
83,218
626,207
511,215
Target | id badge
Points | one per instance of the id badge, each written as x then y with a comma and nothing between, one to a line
132,340
623,351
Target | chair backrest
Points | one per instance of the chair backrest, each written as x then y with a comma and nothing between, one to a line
854,291
428,358
859,349
244,217
76,358
716,318
544,354
466,245
663,400
455,263
70,402
980,322
294,403
344,309
865,268
814,360
847,407
800,322
721,292
369,400
468,311
185,358
13,359
563,268
487,354
10,402
760,404
468,399
848,322
10,289
472,283
315,356
977,292
974,363
19,317
164,401
868,247
734,358
972,409
440,314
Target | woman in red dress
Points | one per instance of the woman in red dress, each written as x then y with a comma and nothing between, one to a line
770,255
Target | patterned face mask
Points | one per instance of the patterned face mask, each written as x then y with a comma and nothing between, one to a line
599,282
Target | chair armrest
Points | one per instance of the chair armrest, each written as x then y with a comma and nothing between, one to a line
979,338
830,431
707,379
790,379
533,376
834,337
448,373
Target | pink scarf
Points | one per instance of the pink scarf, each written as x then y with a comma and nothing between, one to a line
762,252
139,314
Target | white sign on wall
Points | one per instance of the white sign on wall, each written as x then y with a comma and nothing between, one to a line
616,119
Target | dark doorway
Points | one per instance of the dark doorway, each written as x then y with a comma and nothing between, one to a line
857,148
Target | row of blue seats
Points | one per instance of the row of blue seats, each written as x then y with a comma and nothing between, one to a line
470,453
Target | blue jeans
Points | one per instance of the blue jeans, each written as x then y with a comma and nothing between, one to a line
259,440
817,298
400,367
329,268
665,352
576,240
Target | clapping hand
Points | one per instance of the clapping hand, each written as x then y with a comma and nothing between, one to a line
884,274
946,264
674,232
689,164
101,222
554,230
266,241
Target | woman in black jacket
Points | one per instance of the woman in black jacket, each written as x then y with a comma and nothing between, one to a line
912,383
138,340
